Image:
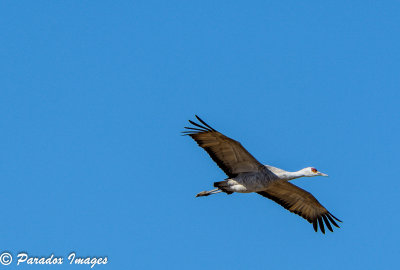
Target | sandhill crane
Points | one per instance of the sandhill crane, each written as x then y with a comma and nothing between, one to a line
246,174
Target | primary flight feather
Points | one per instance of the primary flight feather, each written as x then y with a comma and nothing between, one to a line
246,174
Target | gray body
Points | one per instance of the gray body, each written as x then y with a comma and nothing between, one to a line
254,181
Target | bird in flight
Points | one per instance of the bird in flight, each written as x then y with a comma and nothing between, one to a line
246,174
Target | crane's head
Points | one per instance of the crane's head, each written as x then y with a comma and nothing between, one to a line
310,171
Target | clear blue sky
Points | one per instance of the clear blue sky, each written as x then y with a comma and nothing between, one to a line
94,94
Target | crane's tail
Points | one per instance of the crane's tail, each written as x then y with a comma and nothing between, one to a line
223,185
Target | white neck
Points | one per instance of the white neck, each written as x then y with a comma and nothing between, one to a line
293,175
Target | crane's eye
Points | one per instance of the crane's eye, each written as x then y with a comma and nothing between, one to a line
314,170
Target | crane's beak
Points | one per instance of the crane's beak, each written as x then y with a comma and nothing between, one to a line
322,174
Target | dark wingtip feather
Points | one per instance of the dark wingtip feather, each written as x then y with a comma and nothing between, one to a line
321,225
204,123
200,126
195,129
315,225
327,223
186,133
331,219
335,217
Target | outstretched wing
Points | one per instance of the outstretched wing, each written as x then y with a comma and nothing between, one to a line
300,202
229,154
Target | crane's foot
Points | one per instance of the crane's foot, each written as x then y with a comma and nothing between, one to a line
203,193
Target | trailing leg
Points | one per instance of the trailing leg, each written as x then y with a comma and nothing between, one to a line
206,193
